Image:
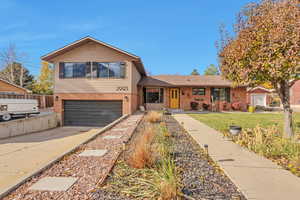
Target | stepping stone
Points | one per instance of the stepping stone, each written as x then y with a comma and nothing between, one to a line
54,183
119,129
109,137
98,152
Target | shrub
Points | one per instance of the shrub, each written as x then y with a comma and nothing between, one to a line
153,117
194,105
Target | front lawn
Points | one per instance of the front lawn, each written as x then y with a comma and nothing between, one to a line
221,121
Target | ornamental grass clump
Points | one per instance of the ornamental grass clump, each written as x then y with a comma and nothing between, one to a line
271,143
142,155
153,117
166,180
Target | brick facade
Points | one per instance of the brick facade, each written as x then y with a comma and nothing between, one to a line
237,95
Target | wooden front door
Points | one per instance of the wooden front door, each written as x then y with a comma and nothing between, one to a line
174,98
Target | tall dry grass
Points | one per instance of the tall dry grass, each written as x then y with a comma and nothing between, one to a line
269,142
142,155
151,158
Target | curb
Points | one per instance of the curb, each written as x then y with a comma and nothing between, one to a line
50,163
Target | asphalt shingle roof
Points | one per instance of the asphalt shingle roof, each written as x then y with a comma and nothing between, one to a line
179,80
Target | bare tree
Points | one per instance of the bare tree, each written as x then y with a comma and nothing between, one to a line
9,56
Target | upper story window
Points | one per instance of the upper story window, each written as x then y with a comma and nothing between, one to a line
94,70
199,91
108,70
73,70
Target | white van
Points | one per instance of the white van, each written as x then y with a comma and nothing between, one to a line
17,107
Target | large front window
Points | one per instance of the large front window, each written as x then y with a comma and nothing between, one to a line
108,70
74,70
154,95
92,69
220,94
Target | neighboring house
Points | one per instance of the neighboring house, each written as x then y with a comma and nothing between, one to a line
259,96
295,94
10,88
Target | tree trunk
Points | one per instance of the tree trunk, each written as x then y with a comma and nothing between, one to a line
21,76
12,80
285,99
288,122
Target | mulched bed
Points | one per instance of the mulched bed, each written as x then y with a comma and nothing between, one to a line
200,176
89,170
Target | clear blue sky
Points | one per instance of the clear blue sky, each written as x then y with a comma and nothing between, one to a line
171,36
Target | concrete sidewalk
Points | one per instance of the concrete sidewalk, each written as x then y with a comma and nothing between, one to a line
23,155
257,177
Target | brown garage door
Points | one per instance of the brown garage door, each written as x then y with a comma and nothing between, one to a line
91,113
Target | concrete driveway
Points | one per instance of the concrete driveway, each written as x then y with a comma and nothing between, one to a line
21,156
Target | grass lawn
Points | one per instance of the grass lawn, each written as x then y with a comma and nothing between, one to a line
221,121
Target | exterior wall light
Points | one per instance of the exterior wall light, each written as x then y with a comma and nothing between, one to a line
126,98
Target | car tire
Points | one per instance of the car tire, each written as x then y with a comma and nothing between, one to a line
6,117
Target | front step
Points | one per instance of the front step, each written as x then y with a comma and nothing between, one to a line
175,110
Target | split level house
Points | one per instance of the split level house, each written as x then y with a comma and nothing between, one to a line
96,83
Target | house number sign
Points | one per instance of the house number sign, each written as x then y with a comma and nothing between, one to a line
122,88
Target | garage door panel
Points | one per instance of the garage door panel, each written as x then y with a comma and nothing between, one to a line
91,113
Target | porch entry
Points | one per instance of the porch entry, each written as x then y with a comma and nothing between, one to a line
174,98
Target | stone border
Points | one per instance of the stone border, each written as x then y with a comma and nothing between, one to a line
52,162
101,181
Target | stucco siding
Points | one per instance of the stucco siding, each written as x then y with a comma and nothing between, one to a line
88,53
135,78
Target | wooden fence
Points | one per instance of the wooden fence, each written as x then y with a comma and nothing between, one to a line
44,101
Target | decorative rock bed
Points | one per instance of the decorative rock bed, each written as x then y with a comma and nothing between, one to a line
200,177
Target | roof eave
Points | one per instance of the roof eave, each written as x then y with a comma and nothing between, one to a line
52,55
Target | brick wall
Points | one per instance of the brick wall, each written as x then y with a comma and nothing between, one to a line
186,97
295,94
239,95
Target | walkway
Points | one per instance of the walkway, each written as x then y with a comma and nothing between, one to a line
257,177
22,156
76,175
